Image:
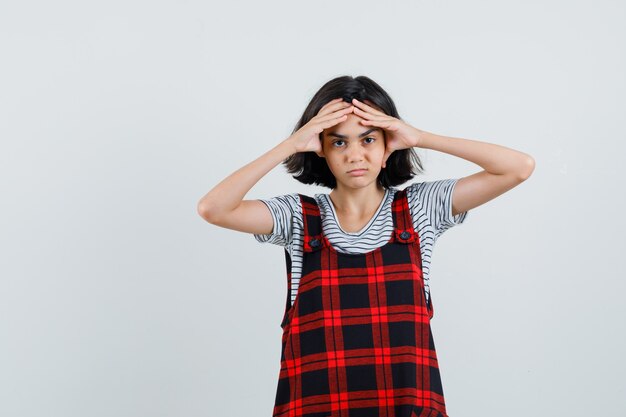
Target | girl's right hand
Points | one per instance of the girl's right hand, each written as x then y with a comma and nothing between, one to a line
306,139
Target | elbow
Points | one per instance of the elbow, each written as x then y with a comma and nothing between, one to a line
204,211
527,169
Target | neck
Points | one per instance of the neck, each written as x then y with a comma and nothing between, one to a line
357,201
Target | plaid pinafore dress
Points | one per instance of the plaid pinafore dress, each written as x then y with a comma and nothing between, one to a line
357,341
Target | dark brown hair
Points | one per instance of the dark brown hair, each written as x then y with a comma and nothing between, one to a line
309,168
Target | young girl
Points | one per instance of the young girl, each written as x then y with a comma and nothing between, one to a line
357,340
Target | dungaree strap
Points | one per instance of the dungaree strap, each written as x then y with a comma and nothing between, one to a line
314,238
289,284
402,221
405,232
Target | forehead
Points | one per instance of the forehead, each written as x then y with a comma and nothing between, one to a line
356,131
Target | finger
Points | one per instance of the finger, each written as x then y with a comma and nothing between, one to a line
335,100
379,123
334,113
332,122
384,124
336,107
333,105
371,116
364,106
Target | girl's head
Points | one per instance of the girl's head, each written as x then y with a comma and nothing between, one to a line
311,168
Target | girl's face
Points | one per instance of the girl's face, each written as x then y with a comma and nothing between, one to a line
350,145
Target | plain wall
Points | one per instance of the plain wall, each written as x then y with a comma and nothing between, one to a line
117,299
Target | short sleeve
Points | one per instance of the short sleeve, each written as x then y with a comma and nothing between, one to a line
436,200
283,209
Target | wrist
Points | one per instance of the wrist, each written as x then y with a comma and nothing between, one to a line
424,139
287,147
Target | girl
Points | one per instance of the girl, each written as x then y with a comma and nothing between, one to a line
356,339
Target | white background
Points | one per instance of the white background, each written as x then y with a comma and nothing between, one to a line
116,117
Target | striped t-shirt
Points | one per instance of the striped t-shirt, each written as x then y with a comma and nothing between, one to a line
430,204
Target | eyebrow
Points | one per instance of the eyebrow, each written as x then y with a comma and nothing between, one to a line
367,132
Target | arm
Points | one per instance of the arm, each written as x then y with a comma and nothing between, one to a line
503,168
224,206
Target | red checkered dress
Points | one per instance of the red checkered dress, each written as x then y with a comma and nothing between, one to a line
357,341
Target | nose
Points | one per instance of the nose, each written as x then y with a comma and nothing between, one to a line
355,153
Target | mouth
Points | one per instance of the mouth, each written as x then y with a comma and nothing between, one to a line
359,171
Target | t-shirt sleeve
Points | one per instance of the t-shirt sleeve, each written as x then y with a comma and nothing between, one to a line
283,209
436,199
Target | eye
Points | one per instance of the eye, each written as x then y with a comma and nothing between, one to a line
339,140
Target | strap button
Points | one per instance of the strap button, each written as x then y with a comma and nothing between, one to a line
405,235
315,243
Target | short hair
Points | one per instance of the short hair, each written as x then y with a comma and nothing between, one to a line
309,168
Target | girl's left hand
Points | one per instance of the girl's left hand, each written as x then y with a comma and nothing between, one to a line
400,135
